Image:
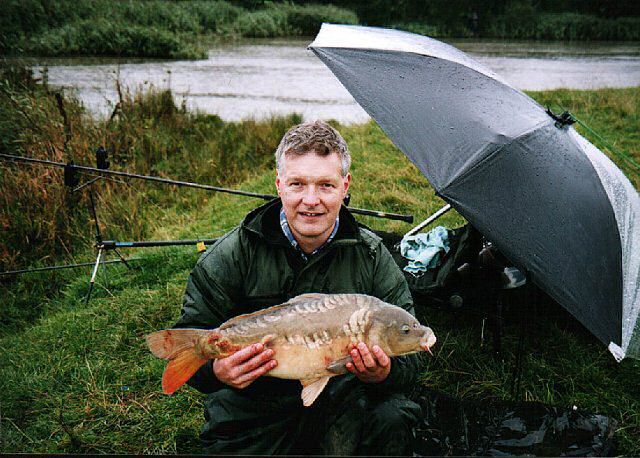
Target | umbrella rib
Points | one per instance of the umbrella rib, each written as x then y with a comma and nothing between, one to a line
455,180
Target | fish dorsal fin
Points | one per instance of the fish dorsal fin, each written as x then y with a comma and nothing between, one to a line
305,297
261,312
295,300
312,389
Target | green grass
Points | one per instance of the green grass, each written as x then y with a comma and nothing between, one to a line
78,379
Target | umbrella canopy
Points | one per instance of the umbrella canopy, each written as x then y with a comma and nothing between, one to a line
555,205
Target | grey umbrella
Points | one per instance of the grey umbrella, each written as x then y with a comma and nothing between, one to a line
555,205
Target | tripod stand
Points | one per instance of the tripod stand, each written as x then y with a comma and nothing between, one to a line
112,245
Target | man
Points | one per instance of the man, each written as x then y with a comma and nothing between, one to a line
305,241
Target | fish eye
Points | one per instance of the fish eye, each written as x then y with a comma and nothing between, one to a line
405,328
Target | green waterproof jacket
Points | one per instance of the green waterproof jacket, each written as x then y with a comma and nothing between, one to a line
255,266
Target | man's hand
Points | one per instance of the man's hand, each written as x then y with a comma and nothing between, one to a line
370,366
244,366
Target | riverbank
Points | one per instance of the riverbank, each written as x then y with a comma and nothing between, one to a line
261,78
77,378
180,30
156,28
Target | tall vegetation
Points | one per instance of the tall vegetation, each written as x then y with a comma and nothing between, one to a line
154,28
179,29
41,219
541,19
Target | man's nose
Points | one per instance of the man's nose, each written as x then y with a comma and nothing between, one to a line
311,197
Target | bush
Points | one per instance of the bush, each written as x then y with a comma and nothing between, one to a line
421,29
563,26
260,24
104,38
306,20
284,19
213,15
151,28
168,16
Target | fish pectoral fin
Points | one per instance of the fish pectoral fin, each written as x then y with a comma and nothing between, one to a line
339,366
312,389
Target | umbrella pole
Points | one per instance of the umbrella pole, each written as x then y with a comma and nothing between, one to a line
429,220
497,328
518,369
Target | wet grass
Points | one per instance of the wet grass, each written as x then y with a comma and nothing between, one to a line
77,378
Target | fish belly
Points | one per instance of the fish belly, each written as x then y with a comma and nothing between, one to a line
300,362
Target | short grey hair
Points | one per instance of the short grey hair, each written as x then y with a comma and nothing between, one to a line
313,137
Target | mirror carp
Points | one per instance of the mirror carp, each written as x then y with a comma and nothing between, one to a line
310,335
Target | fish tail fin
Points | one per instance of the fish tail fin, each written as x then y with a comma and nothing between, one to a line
168,343
178,346
180,369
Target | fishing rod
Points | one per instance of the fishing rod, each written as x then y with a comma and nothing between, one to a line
113,245
71,167
66,266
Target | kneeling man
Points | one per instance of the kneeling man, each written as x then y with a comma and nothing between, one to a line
304,241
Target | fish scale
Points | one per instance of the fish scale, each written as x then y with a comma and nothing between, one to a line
311,336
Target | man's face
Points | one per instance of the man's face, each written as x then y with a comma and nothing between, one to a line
312,188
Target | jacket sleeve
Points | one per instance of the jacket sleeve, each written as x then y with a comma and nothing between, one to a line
212,289
391,286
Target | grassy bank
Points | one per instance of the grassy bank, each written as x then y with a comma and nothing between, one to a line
156,28
183,29
43,223
529,25
146,134
78,379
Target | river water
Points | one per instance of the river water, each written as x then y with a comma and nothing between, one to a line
258,79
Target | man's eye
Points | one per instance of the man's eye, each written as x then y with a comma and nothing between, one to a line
328,185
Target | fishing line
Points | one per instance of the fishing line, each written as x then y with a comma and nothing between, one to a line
634,166
143,195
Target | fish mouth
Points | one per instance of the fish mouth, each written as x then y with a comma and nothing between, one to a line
428,340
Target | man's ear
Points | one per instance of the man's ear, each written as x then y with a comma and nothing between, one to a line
278,182
345,181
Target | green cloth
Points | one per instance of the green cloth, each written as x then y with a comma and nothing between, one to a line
254,266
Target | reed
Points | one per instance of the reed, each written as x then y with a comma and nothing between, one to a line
152,28
42,221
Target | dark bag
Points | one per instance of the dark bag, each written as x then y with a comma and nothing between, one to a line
451,283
